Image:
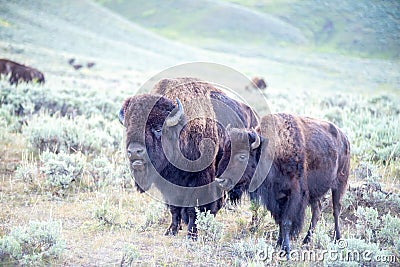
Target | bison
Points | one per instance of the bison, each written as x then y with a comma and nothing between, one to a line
174,133
257,82
293,161
77,66
19,72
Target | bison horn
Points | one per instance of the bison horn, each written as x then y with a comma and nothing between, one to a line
174,120
219,180
121,116
257,142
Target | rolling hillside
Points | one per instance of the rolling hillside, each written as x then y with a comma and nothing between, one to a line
128,49
363,28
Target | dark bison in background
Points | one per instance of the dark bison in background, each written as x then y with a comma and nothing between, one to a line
77,66
257,82
307,157
178,118
19,72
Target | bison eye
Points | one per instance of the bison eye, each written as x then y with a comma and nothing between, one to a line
242,157
157,131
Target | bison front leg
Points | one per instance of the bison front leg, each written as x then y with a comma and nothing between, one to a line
316,214
176,220
192,228
285,228
280,239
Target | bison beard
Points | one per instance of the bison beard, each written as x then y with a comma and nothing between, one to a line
19,72
310,157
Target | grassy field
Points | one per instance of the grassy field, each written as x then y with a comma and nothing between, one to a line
66,195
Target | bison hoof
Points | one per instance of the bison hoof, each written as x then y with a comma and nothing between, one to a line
192,236
307,239
286,250
279,243
172,230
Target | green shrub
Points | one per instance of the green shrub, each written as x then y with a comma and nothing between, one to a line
129,254
355,252
367,223
62,169
369,194
107,215
389,233
250,250
89,135
366,170
101,170
105,171
8,121
27,171
334,115
154,215
45,133
29,99
208,227
38,243
320,237
259,218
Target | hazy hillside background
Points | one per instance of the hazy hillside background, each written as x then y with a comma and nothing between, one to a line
306,45
365,28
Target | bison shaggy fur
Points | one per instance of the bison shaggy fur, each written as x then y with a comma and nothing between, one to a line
298,160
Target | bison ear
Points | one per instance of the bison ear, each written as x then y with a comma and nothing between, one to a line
121,116
255,139
121,113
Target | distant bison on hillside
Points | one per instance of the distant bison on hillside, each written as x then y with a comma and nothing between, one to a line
293,161
19,72
257,82
77,66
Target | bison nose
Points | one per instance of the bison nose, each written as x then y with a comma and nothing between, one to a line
135,150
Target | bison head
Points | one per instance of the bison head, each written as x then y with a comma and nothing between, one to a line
147,118
241,157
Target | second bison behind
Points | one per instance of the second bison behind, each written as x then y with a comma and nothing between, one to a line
292,162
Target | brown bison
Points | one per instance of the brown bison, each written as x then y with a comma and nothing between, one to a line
257,82
77,66
173,134
293,161
19,72
71,61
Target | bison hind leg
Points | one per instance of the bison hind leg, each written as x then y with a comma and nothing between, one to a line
336,197
316,214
